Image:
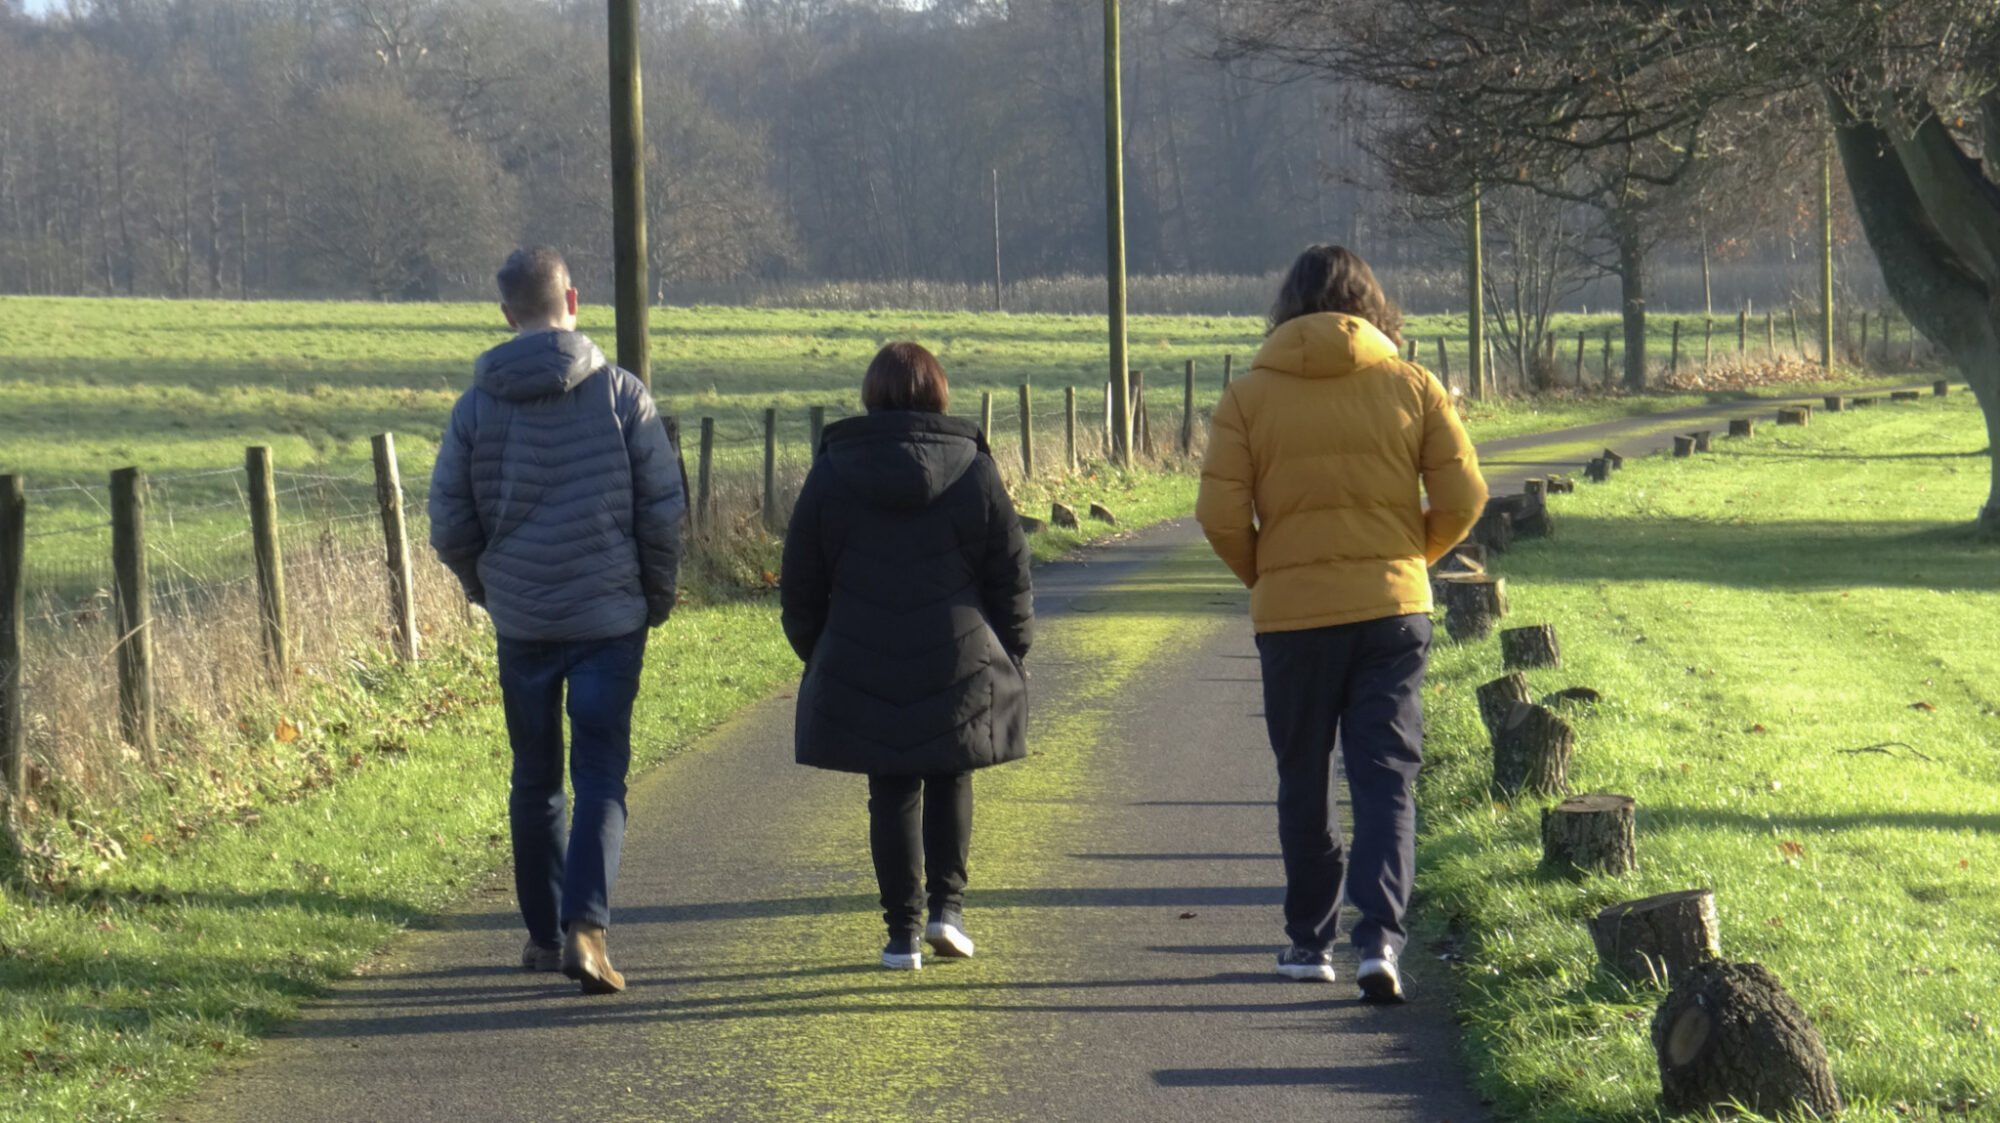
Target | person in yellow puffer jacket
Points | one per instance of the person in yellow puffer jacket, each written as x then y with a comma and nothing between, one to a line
1312,493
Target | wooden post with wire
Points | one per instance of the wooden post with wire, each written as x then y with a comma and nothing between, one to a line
1187,412
13,621
1027,433
815,427
396,540
986,414
270,563
1069,426
771,469
704,473
132,594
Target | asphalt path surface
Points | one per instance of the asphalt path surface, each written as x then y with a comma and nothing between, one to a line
1127,910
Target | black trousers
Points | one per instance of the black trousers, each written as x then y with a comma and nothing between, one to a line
920,832
1358,686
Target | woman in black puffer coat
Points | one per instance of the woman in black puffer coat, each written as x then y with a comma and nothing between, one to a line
906,592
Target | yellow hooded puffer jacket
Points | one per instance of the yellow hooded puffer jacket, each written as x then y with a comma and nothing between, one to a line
1310,488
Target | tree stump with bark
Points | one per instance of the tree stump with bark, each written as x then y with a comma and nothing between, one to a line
1728,1033
1031,525
1561,485
1940,388
1497,699
1683,447
1532,646
1658,938
1905,396
1742,427
1598,470
1494,530
1834,403
1473,605
1062,514
1590,834
1528,516
1103,514
1800,416
1531,752
1613,459
1468,556
1862,403
1703,439
1572,696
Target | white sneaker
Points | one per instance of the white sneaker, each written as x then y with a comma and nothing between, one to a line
1379,980
901,954
1305,964
947,940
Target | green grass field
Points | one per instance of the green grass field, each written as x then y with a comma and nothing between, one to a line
1794,639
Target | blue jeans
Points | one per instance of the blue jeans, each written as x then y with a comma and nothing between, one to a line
1359,687
559,881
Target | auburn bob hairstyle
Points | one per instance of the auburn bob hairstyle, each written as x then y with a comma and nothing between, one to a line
1335,279
904,376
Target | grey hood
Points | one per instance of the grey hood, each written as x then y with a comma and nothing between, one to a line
537,366
901,460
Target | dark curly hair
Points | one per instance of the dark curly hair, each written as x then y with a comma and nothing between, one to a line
1335,279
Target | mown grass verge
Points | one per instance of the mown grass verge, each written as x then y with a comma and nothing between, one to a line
1794,640
156,955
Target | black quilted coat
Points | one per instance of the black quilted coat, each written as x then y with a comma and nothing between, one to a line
906,592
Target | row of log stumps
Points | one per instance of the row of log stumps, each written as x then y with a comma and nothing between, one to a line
1725,1033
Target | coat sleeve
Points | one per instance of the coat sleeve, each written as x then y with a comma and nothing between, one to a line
804,583
1452,481
1226,505
659,504
1005,582
456,533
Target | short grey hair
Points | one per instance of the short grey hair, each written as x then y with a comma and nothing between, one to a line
532,283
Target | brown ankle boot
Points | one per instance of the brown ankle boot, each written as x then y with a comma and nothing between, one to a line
584,959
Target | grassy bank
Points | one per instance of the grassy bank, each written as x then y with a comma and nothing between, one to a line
1794,640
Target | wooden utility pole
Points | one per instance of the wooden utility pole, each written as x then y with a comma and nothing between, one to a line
1826,256
132,589
998,304
269,562
628,189
1114,223
1475,317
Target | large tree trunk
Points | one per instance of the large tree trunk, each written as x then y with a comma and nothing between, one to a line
1933,219
1632,290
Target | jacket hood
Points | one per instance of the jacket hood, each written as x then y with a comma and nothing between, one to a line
901,459
1324,345
537,366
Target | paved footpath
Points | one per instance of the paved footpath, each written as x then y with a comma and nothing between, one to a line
1125,898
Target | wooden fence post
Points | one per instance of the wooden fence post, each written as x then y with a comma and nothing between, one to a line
771,469
1027,433
1792,315
1607,355
1142,417
1229,364
1770,333
1674,364
270,563
1444,365
986,414
132,588
1187,412
1743,329
396,537
815,426
672,424
704,469
1707,342
1579,359
13,621
1107,417
1069,426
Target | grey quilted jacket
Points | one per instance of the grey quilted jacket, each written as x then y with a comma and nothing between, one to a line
557,497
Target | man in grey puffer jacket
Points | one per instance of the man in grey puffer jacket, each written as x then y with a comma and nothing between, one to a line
557,501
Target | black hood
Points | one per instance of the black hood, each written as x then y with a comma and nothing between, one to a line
537,366
901,459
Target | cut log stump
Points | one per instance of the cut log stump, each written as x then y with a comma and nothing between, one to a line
1800,416
1103,514
1561,485
1729,1034
1658,939
1497,699
1742,427
1473,605
1531,752
1494,530
1598,470
1905,396
1532,646
1572,696
1613,459
1683,447
1940,388
1467,556
1862,403
1062,514
1031,525
1703,439
1589,834
1835,403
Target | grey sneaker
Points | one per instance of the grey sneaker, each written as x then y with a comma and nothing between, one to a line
1379,979
902,954
946,936
540,957
1308,965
